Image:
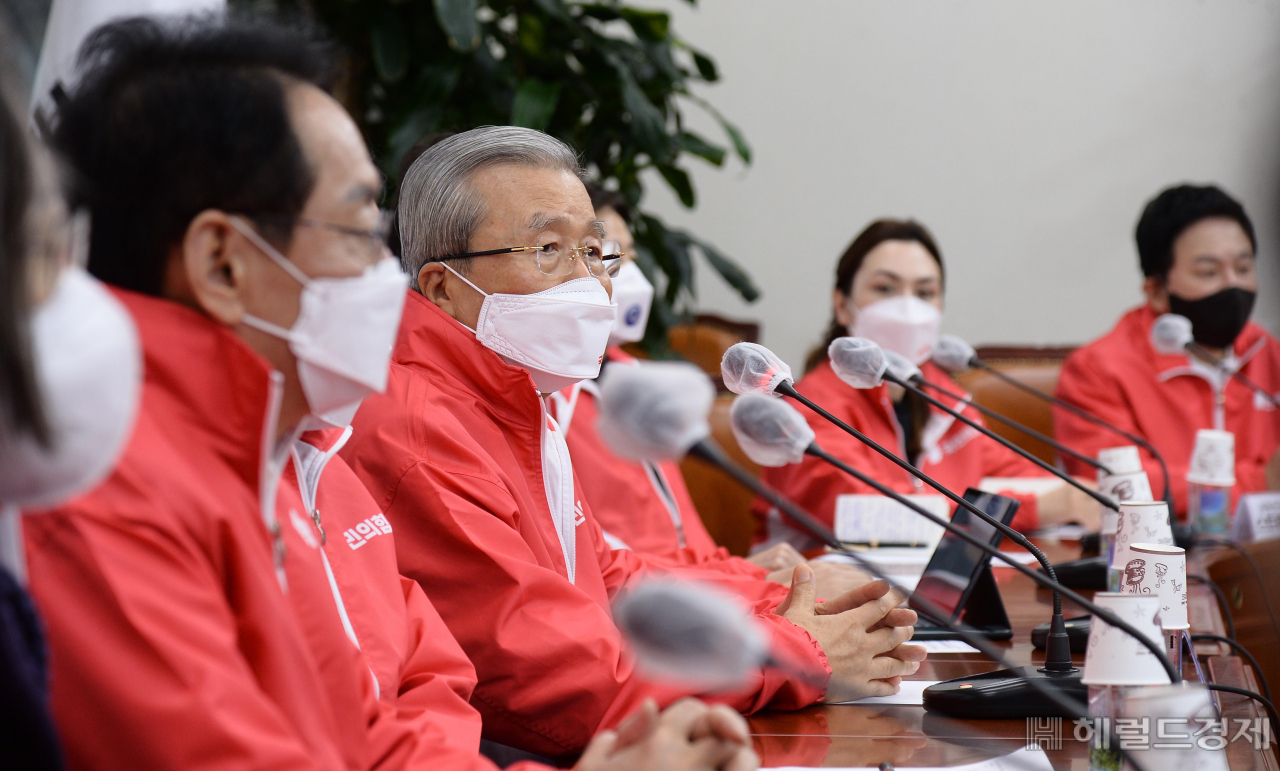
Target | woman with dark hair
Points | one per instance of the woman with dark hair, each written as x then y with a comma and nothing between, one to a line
889,288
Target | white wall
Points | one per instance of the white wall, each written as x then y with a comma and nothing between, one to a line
1026,135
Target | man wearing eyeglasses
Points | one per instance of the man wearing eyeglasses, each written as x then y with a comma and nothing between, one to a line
510,303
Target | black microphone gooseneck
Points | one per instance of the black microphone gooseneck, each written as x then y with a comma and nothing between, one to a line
1015,425
1084,415
1237,375
1094,494
1057,653
709,452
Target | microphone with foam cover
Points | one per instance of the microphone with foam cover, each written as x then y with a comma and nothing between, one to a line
953,354
857,357
858,361
655,410
1171,334
750,367
770,432
691,633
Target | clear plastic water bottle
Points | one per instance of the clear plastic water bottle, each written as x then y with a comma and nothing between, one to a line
1104,708
1209,508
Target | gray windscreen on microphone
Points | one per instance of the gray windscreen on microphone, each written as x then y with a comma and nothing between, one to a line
1171,334
769,430
752,368
953,354
654,410
857,361
900,366
690,633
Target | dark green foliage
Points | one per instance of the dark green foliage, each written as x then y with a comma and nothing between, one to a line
608,78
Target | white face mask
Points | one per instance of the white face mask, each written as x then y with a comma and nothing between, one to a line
89,371
905,325
344,332
558,335
634,296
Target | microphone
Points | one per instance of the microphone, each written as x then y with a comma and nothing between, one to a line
773,434
752,368
853,357
622,383
1171,336
955,355
690,633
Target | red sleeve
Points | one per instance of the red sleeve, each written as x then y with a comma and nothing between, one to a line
526,629
1094,390
148,670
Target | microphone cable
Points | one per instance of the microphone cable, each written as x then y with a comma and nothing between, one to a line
1222,601
1243,651
1265,702
1257,574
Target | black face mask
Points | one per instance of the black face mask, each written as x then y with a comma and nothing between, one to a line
1216,320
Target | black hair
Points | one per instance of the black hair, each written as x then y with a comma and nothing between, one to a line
609,199
172,117
20,407
1166,216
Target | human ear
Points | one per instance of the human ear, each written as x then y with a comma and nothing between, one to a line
433,284
212,261
1157,293
840,308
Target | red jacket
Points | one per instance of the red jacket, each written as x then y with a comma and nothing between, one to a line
644,507
955,455
422,673
175,640
1165,399
453,453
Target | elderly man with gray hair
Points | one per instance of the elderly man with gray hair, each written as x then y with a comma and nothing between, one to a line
510,302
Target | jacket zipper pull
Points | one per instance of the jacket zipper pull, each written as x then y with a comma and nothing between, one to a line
315,517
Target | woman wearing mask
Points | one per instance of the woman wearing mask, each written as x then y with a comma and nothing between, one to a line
889,289
69,376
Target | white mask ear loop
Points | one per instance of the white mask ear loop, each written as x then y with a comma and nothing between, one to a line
274,254
483,293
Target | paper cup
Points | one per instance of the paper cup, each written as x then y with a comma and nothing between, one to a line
1113,656
1213,462
1176,714
1122,488
1141,522
1121,460
1155,569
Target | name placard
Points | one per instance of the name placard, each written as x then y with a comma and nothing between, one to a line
1257,518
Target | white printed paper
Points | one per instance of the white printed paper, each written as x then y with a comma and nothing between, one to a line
1030,758
945,646
910,694
875,520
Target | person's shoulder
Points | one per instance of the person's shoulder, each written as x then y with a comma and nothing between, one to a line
1120,344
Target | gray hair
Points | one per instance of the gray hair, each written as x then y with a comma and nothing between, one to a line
439,211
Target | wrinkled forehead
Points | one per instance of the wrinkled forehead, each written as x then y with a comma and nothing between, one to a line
532,199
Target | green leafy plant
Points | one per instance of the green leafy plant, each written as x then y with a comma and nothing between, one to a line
608,78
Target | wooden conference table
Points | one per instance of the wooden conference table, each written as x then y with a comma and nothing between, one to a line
862,736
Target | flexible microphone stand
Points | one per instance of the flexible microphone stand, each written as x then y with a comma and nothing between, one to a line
709,452
1084,415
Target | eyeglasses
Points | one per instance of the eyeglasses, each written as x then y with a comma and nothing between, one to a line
553,261
375,240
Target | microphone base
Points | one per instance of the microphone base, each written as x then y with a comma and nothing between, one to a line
1077,629
1088,573
1004,694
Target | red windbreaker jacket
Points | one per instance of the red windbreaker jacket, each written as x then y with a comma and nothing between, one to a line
1165,399
453,454
644,507
955,455
422,673
182,634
